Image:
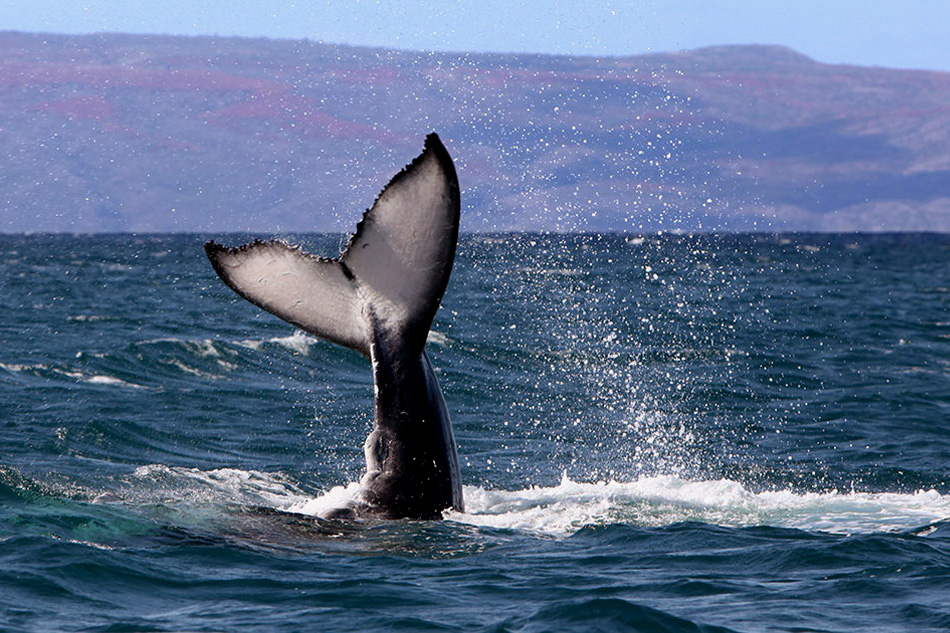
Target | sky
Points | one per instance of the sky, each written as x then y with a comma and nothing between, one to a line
896,34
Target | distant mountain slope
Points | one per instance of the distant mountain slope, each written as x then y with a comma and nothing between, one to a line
148,133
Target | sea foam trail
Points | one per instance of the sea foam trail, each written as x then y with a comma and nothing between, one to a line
657,501
569,506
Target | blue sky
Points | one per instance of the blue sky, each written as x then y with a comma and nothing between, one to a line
908,34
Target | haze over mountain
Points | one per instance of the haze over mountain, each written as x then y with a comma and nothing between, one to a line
156,133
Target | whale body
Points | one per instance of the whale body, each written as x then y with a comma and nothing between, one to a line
379,297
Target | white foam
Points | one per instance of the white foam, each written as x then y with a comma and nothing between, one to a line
658,501
569,506
88,318
93,379
336,497
17,367
109,380
437,338
188,369
203,348
226,485
299,342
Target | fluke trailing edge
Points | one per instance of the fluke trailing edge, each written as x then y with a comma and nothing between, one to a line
379,298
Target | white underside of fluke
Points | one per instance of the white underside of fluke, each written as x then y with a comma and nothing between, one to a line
390,276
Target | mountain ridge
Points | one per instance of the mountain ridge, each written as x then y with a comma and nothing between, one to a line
150,133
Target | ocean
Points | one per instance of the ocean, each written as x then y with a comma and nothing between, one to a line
657,433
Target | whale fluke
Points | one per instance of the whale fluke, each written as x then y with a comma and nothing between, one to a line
379,297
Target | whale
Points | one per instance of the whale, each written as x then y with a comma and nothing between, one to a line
378,297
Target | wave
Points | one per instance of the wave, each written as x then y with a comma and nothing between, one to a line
155,483
50,372
665,500
151,363
299,341
570,506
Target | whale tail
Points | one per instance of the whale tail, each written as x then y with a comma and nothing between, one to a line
379,298
388,282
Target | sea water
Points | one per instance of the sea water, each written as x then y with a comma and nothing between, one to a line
657,433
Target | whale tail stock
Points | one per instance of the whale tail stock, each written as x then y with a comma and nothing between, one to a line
379,297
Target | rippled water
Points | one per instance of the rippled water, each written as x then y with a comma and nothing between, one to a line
658,433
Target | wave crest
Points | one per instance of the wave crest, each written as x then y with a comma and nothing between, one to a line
665,500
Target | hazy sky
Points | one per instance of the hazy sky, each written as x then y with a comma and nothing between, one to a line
904,34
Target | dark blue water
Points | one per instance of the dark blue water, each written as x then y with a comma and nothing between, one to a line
666,433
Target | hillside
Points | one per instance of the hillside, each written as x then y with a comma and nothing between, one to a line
148,133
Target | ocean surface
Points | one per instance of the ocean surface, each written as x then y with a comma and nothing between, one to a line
657,433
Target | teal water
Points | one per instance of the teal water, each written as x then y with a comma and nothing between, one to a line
657,433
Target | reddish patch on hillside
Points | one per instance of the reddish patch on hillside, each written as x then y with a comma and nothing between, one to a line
85,107
300,113
368,76
102,76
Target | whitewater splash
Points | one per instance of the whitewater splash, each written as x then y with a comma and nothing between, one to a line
563,509
665,500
